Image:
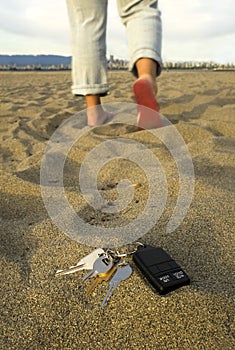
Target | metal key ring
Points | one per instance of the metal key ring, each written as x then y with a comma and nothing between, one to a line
116,253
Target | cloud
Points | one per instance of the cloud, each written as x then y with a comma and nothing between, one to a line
198,30
192,20
191,30
44,19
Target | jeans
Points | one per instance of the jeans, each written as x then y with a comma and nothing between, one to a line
88,20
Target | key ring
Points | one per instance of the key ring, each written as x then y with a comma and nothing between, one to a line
116,254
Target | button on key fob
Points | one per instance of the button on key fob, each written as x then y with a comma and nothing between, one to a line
160,269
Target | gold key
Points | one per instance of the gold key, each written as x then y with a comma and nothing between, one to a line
100,278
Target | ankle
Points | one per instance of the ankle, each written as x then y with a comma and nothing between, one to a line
92,100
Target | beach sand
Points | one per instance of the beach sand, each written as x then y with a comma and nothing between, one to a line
41,311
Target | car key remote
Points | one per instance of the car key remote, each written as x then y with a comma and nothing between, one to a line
160,269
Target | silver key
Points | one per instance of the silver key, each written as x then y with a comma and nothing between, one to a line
103,264
85,263
123,272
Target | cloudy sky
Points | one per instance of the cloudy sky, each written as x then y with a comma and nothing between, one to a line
192,30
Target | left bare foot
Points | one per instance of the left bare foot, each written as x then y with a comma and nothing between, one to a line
98,116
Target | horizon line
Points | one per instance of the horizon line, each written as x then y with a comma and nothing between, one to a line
118,57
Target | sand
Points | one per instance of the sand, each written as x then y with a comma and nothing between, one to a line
41,311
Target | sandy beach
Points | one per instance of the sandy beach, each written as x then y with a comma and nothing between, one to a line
41,311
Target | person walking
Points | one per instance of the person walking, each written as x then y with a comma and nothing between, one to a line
142,19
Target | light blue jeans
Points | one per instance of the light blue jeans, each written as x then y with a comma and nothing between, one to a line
88,20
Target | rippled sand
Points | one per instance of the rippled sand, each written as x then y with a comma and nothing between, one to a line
39,311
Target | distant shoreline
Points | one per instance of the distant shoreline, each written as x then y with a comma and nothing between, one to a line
46,70
64,63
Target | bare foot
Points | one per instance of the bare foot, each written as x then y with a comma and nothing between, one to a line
98,116
144,90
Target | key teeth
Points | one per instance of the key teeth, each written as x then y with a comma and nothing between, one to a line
106,299
90,274
85,263
58,272
69,270
91,287
108,295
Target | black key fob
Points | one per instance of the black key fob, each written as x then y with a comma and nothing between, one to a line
160,269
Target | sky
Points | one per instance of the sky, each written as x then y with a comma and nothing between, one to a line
202,30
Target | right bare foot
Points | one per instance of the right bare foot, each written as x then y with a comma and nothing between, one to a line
144,90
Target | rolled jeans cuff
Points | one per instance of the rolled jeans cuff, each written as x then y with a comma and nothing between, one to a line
95,89
145,54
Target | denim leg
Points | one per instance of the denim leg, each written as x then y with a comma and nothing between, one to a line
144,30
88,20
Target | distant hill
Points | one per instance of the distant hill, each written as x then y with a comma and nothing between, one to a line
44,60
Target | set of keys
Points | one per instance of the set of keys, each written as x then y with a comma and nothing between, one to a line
157,266
103,266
